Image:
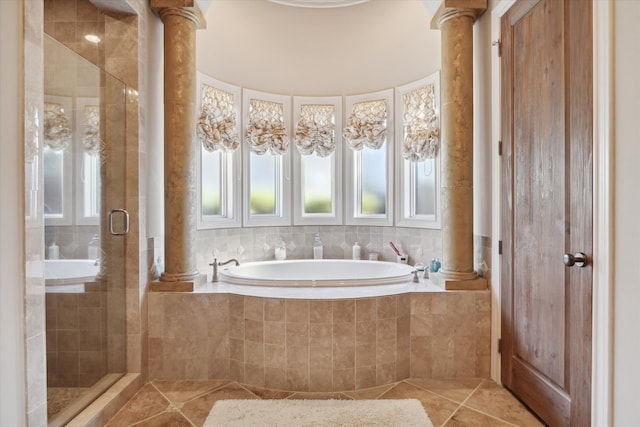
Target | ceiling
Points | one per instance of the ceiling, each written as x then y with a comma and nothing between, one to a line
318,3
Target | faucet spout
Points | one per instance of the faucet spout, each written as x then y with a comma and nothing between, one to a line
215,264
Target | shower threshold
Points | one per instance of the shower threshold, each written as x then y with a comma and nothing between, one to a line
77,405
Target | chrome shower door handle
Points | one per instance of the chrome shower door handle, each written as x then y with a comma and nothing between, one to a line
579,259
126,222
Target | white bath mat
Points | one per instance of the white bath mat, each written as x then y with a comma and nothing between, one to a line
318,413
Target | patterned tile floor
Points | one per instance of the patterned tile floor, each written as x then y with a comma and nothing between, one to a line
451,403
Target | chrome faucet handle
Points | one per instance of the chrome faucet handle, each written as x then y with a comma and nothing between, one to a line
416,279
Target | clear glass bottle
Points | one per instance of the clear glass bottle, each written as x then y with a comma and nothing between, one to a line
356,251
280,252
419,265
93,248
317,247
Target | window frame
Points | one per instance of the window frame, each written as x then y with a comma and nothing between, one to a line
351,182
405,213
79,152
336,217
284,169
232,167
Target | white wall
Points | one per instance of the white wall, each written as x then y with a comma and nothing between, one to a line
301,51
12,355
626,357
154,121
482,137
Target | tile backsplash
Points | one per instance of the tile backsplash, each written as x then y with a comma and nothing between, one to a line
257,244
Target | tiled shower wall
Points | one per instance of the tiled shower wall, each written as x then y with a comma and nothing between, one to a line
76,338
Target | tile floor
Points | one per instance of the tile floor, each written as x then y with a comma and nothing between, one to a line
453,402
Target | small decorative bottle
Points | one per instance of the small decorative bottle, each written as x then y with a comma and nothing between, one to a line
281,250
54,251
93,248
317,247
356,251
159,267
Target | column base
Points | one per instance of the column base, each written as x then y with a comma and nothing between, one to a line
456,281
183,282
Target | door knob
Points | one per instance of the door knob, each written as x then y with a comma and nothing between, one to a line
579,259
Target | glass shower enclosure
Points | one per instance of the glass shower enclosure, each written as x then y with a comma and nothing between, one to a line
83,161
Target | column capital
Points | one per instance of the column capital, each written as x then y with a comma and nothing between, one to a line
187,9
455,8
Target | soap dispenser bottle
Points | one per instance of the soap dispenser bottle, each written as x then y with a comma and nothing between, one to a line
317,247
54,251
93,248
280,252
356,251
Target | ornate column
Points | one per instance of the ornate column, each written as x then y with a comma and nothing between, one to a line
455,20
181,19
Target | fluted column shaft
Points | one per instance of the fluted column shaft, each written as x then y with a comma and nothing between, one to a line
180,26
456,28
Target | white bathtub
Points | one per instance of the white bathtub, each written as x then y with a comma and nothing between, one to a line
59,272
316,273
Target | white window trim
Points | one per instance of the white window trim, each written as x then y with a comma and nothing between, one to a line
318,219
78,149
349,156
404,214
232,193
283,194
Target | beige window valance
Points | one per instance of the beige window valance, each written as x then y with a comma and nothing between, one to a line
91,138
420,120
315,131
266,131
367,125
216,128
57,131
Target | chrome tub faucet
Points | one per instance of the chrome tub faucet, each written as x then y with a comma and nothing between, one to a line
216,264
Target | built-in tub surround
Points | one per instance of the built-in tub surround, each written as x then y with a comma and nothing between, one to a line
317,273
319,344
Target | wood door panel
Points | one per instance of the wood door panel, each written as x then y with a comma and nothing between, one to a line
546,115
546,399
539,182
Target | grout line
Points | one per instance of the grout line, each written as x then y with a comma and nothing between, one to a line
476,410
242,386
133,397
460,405
198,395
438,394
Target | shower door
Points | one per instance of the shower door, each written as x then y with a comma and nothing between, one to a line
83,163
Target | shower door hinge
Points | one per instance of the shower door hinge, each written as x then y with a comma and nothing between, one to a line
497,43
500,345
499,247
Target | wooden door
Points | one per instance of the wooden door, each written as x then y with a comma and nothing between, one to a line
547,207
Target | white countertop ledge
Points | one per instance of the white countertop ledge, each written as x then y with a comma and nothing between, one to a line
320,293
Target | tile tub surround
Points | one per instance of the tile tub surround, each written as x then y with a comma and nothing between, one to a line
318,345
